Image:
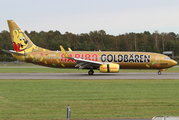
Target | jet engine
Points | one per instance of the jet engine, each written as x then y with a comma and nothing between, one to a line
109,68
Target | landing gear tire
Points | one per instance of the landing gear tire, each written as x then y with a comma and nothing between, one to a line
159,72
90,72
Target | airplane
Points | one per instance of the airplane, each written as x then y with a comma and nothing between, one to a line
104,61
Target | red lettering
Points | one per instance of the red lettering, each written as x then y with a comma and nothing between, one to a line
81,56
87,57
62,57
77,55
94,57
113,68
70,59
103,67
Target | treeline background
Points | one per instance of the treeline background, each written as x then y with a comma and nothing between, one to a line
97,40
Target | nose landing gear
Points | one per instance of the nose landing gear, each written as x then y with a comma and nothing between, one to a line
159,72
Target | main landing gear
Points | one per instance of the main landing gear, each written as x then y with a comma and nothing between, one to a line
90,72
159,72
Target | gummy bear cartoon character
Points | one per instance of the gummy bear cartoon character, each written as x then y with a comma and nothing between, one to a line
19,40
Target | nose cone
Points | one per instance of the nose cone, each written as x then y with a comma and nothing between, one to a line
173,63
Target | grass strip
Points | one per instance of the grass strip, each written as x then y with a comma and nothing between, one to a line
89,99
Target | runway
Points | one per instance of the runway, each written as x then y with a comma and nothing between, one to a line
102,76
120,119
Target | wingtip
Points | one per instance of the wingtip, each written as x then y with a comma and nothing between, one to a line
64,52
69,49
61,47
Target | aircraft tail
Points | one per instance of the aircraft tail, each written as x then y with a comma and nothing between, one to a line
21,42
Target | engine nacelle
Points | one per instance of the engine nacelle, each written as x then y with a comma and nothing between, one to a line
109,68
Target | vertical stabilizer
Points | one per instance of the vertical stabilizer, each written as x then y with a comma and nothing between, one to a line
20,41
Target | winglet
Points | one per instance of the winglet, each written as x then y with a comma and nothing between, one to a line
64,52
69,49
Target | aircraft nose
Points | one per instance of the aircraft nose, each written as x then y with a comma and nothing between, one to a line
173,63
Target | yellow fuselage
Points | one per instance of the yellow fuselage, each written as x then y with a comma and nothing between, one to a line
126,60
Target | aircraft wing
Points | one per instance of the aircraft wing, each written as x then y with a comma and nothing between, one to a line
12,52
81,62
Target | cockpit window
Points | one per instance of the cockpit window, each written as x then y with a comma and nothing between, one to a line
167,58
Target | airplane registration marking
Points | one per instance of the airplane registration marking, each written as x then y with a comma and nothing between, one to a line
164,64
52,54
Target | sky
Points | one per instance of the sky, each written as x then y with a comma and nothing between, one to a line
82,16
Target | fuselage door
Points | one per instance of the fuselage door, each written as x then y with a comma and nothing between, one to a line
157,60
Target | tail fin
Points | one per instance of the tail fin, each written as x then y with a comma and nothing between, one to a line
20,40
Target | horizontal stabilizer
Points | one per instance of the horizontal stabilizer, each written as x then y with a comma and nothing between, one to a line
12,52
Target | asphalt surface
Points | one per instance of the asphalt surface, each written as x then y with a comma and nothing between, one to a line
123,119
102,76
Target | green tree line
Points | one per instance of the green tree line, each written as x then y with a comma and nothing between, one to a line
99,40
